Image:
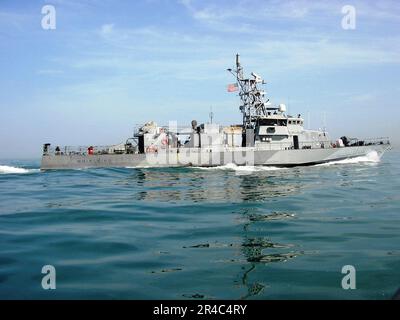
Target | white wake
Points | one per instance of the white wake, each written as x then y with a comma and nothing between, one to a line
15,170
371,157
241,169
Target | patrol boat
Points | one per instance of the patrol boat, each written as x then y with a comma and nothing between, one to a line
268,136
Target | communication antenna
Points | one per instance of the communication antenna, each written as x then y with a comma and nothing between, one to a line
324,121
211,115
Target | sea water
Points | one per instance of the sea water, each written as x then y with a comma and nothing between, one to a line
201,233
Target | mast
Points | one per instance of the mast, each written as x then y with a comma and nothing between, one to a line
252,100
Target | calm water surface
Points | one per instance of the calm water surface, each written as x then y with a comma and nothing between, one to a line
191,233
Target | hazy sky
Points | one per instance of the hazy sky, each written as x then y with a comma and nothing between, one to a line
110,65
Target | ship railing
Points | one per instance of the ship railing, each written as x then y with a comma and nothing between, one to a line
322,144
369,141
302,145
314,144
84,150
180,129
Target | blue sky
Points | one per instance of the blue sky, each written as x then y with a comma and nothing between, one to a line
110,65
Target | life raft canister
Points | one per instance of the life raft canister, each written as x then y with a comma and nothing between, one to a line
90,150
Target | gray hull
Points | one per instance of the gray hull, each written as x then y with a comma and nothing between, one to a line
173,157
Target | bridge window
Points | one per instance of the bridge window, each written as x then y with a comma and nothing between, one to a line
272,122
268,122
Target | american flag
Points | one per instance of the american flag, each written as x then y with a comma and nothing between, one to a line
233,87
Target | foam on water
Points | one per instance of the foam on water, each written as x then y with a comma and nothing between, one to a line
371,157
139,167
241,169
15,170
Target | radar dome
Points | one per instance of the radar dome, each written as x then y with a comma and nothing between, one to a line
282,107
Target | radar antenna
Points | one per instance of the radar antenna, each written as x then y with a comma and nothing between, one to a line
253,104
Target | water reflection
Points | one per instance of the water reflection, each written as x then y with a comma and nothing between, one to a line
253,249
256,248
191,185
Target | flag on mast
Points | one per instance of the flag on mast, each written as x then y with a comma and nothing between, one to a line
233,87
